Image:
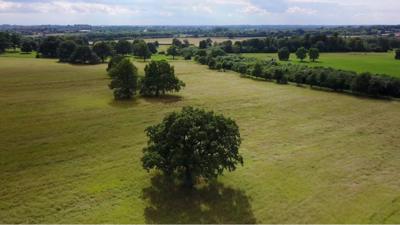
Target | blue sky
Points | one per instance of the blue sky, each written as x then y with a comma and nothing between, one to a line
199,12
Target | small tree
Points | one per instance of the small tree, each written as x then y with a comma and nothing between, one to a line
173,50
124,80
65,50
26,47
301,53
142,50
159,78
313,54
102,50
123,47
4,41
284,54
193,144
397,56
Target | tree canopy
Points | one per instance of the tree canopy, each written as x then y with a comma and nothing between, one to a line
159,78
284,54
65,50
123,47
173,50
102,50
313,53
301,53
193,144
141,49
84,55
123,79
397,52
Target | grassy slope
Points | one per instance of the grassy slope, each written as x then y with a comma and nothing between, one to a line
359,62
70,154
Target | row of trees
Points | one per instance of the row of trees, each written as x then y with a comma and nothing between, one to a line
323,43
301,53
158,80
337,80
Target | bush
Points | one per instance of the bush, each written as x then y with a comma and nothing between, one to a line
193,144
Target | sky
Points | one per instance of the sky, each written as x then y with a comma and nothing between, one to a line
200,12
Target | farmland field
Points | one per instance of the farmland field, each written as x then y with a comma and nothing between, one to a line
382,63
70,154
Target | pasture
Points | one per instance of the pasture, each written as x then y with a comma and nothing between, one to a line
382,63
69,153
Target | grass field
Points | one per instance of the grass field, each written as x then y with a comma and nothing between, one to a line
359,62
70,154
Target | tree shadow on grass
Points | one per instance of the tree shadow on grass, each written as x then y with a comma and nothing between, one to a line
166,99
124,104
214,203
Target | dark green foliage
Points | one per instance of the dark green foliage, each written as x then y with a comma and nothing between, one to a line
173,50
212,63
215,52
397,54
313,54
4,41
102,50
284,54
201,52
65,50
115,60
301,53
280,77
124,80
49,47
26,47
257,70
193,144
176,42
84,55
141,49
123,47
152,46
15,40
159,78
187,53
361,83
203,44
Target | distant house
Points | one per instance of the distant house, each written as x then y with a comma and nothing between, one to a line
397,35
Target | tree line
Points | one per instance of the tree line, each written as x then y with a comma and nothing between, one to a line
328,78
322,42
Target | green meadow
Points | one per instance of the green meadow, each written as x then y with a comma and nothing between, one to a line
69,153
382,63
